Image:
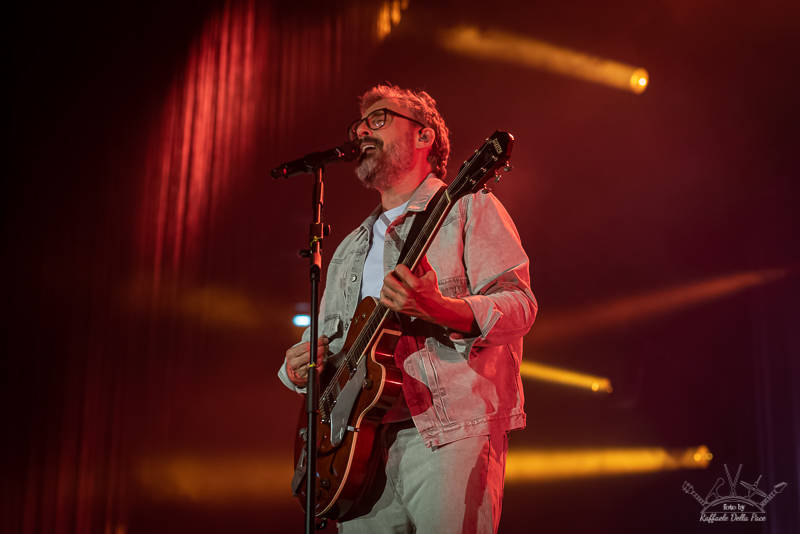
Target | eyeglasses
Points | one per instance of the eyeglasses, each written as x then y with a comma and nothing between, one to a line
376,120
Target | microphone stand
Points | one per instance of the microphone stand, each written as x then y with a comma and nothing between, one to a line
315,164
316,232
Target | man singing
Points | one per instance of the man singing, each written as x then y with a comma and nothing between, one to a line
444,445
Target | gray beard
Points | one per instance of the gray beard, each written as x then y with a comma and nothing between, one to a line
382,168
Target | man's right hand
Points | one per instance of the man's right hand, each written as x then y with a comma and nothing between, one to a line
297,361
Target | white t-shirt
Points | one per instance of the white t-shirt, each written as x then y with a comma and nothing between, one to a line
372,277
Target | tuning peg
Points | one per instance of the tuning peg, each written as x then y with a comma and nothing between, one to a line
507,167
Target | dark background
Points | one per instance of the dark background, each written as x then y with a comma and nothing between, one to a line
145,319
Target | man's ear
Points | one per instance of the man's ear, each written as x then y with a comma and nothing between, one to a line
425,137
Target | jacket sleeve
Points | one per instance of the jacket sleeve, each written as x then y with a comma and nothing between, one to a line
330,323
498,273
282,374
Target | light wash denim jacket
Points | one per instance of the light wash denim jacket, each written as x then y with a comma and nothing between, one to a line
454,388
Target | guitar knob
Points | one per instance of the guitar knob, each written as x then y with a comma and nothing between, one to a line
497,178
507,167
486,190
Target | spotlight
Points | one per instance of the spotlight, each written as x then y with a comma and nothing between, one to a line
301,320
639,81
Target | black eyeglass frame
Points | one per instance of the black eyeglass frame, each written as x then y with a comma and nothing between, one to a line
352,130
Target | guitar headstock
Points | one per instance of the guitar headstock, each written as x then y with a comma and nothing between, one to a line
484,165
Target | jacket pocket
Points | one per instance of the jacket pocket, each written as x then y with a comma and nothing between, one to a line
435,386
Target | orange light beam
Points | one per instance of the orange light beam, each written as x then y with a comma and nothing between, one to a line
646,305
546,373
528,52
221,480
535,465
389,16
215,480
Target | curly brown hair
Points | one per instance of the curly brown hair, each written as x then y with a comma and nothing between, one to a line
423,108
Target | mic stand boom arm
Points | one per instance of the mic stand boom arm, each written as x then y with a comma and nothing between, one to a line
315,160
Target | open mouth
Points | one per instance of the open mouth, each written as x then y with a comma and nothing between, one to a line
367,148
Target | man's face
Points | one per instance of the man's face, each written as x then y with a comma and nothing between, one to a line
386,153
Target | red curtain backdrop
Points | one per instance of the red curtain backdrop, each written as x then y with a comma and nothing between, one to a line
165,282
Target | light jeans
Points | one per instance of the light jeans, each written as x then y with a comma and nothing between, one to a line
453,488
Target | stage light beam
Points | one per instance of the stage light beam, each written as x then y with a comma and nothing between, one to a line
224,479
527,52
215,480
546,373
648,305
535,465
390,14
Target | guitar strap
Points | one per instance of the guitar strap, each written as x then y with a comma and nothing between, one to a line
419,221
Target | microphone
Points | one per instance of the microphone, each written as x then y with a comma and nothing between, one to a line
345,152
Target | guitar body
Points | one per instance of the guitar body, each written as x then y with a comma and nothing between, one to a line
344,467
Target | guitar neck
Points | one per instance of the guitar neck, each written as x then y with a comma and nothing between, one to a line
411,258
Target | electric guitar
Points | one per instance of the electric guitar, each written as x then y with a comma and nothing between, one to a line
366,383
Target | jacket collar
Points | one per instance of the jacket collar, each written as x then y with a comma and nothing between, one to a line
418,202
424,192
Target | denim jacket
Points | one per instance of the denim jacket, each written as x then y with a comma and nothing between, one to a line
454,387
